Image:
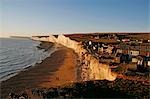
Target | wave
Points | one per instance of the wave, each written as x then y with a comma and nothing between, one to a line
17,58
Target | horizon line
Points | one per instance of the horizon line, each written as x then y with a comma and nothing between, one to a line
69,33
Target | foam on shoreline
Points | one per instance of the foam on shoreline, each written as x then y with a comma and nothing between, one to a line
43,56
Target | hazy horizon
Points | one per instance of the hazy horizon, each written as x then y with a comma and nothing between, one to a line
38,17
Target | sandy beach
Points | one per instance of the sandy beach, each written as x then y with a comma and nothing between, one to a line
55,70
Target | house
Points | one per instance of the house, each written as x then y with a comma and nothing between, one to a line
117,60
118,40
97,37
125,58
140,41
134,53
148,64
90,42
125,40
125,51
104,45
143,65
106,59
134,60
109,49
100,50
146,60
119,51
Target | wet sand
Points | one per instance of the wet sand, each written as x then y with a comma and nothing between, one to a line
55,70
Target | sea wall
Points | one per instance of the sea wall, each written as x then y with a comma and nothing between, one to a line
90,67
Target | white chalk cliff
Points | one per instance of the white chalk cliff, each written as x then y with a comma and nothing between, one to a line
94,70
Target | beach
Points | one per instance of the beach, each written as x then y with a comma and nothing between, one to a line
58,69
72,73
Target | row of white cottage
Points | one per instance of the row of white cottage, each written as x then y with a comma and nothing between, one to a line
133,53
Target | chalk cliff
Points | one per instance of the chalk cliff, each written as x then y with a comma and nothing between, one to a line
90,67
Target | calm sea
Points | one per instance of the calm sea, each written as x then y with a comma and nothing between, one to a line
17,54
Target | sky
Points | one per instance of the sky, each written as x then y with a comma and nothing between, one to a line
43,17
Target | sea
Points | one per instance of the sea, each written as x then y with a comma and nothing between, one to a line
16,54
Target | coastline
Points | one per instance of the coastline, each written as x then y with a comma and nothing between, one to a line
53,71
42,81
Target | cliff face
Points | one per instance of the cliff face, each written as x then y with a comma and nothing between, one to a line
90,67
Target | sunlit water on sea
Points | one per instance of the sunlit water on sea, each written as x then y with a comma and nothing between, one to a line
17,54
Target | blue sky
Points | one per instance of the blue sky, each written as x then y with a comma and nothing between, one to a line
36,17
